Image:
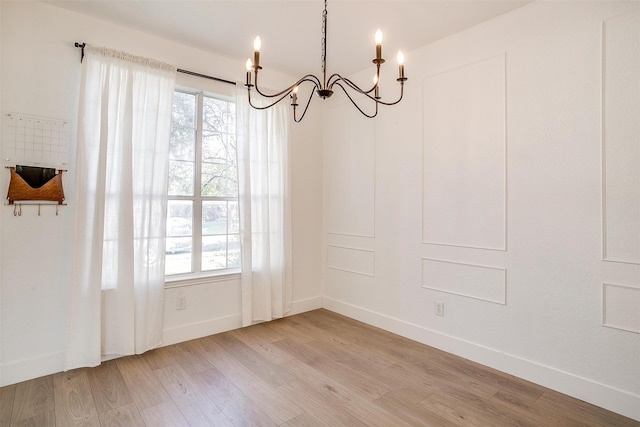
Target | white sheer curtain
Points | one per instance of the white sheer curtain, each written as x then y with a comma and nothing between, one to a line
265,209
117,281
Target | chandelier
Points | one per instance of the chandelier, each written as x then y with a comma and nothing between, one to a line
324,88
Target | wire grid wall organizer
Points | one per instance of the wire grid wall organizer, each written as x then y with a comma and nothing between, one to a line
35,141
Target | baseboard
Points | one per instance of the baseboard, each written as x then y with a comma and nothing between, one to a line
28,369
590,391
193,331
223,324
305,305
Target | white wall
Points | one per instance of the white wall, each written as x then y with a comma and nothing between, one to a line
40,72
533,308
483,190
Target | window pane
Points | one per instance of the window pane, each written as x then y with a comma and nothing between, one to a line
218,117
234,217
214,218
214,252
233,257
214,149
219,180
179,241
183,127
179,218
219,157
178,256
181,178
184,110
182,145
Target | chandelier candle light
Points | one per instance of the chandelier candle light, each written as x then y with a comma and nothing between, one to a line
324,88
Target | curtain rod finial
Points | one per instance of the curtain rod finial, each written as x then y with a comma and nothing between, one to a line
81,46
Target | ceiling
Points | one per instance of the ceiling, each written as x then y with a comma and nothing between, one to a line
291,29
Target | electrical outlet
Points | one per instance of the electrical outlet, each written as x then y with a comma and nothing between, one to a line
181,302
439,308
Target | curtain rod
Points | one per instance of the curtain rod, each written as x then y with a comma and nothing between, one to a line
179,70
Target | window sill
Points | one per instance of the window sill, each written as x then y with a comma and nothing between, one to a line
179,281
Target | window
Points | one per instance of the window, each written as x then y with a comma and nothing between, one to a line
202,215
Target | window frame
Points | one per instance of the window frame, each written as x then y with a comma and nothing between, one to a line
197,276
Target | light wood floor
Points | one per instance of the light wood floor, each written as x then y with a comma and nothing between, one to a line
313,369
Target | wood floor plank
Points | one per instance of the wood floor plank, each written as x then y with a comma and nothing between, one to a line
369,351
108,387
458,414
144,387
587,413
444,379
46,419
372,337
32,398
357,380
195,406
401,377
275,405
305,420
255,339
362,408
351,354
74,404
124,416
524,390
238,408
165,414
159,358
291,328
544,416
403,404
469,409
267,332
187,356
371,371
7,396
318,405
271,373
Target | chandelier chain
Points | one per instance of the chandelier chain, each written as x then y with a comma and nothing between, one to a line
323,54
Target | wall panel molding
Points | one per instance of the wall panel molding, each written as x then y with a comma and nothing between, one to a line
621,139
351,260
350,153
468,280
621,307
464,163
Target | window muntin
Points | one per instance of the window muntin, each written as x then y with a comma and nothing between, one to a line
202,215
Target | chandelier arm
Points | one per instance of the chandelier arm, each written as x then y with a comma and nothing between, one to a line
266,106
287,91
376,100
351,84
394,102
306,107
371,116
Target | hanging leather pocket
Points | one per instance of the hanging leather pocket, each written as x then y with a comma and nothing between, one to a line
35,183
